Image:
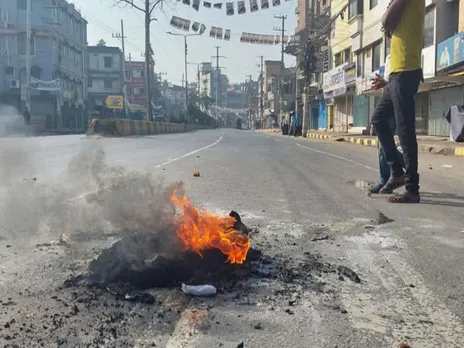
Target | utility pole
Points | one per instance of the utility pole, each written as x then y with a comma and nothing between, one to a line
217,57
28,56
282,33
147,11
261,92
186,80
124,87
147,60
249,100
281,29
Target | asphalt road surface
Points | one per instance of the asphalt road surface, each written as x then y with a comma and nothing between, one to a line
359,272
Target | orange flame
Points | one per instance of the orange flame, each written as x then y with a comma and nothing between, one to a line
200,230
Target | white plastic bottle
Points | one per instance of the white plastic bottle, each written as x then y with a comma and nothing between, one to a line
199,290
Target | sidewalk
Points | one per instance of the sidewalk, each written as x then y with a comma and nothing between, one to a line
426,143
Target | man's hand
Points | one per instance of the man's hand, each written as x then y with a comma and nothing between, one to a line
378,82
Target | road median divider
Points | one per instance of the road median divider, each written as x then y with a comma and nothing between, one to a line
128,127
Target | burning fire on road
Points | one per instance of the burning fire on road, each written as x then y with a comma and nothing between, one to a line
195,246
201,230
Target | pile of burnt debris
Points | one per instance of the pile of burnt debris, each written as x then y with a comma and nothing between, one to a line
156,260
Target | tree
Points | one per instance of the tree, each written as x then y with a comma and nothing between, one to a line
146,7
101,43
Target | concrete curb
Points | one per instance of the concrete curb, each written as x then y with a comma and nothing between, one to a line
127,127
439,150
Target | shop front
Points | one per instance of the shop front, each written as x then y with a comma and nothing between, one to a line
447,84
339,109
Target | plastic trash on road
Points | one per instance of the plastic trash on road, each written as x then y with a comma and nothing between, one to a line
199,290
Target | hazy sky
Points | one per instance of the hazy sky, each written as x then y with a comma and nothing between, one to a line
242,59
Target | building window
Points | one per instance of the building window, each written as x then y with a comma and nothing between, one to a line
429,28
108,62
21,44
376,48
22,4
359,64
108,83
36,71
373,3
90,82
347,54
355,8
338,59
138,73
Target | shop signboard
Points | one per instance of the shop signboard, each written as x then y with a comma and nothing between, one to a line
450,52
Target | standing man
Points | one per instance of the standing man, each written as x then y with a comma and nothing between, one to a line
297,124
403,24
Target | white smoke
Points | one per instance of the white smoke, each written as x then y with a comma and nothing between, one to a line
12,122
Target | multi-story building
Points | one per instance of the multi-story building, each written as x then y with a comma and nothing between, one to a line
211,88
174,102
313,19
105,79
137,96
337,93
58,41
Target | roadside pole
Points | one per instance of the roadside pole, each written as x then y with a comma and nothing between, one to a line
28,56
124,88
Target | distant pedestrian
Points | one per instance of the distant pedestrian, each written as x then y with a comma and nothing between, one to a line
403,23
292,125
297,124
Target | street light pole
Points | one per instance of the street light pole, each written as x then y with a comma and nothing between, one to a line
186,80
185,67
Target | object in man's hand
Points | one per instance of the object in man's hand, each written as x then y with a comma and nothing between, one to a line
196,174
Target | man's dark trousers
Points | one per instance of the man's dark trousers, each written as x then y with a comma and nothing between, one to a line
397,101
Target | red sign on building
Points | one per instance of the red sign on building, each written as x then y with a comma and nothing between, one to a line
135,84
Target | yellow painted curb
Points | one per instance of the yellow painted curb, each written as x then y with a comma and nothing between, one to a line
374,142
459,151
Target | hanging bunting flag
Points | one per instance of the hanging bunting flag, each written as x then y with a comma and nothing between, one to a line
202,29
207,4
218,5
219,33
196,4
176,22
230,8
264,4
212,32
285,39
195,27
186,2
253,5
241,9
258,39
275,2
227,35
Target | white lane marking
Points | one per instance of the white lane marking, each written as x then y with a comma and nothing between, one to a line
90,193
190,153
339,157
184,333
